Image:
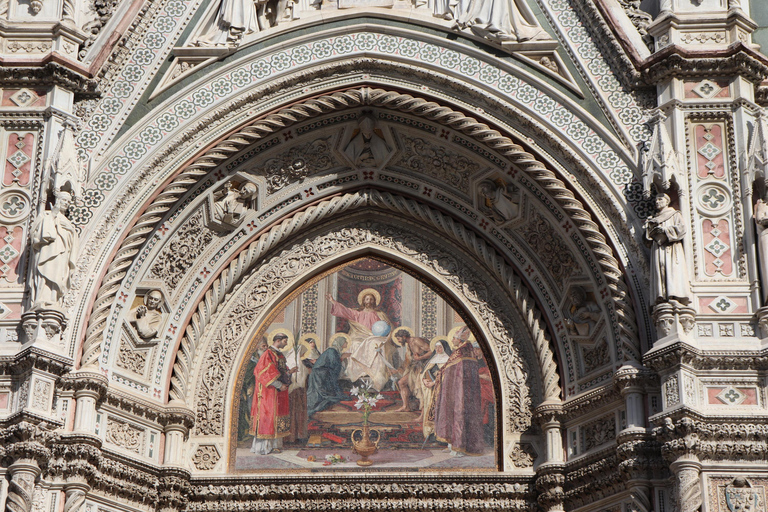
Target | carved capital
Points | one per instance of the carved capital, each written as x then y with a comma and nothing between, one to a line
85,383
549,413
634,378
173,489
550,482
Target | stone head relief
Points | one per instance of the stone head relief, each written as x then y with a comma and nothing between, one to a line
231,204
498,200
367,147
147,318
583,313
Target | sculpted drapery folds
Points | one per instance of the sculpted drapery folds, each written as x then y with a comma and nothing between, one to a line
458,417
54,245
666,232
761,219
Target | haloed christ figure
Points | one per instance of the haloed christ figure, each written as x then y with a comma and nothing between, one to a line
371,353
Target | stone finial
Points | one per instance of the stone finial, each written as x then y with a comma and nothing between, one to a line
757,153
659,163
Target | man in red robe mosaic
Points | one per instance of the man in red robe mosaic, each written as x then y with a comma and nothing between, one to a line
270,410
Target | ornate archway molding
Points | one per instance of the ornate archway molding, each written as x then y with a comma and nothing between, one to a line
337,209
147,222
492,305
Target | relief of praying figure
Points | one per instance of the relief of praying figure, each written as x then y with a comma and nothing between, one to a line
146,319
761,219
233,20
498,200
583,312
54,244
666,232
367,147
232,204
497,20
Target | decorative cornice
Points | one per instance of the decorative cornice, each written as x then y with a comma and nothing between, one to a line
47,74
680,353
677,62
172,414
364,492
713,439
592,479
595,398
37,358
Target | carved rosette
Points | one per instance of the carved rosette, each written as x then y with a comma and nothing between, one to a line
206,457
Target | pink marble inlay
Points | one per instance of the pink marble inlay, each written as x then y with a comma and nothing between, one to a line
23,145
717,254
750,396
710,158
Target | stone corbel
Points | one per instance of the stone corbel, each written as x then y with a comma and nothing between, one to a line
43,325
673,319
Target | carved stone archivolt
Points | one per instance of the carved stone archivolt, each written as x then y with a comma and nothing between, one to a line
181,252
337,207
622,311
234,326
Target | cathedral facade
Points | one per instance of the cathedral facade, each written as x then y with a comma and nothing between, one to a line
383,254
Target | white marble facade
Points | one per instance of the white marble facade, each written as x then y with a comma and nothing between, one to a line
581,184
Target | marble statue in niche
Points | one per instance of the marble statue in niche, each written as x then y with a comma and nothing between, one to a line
54,246
583,313
499,200
761,220
367,147
146,318
666,232
233,20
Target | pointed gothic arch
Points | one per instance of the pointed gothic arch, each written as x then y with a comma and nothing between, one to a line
290,296
397,101
500,312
